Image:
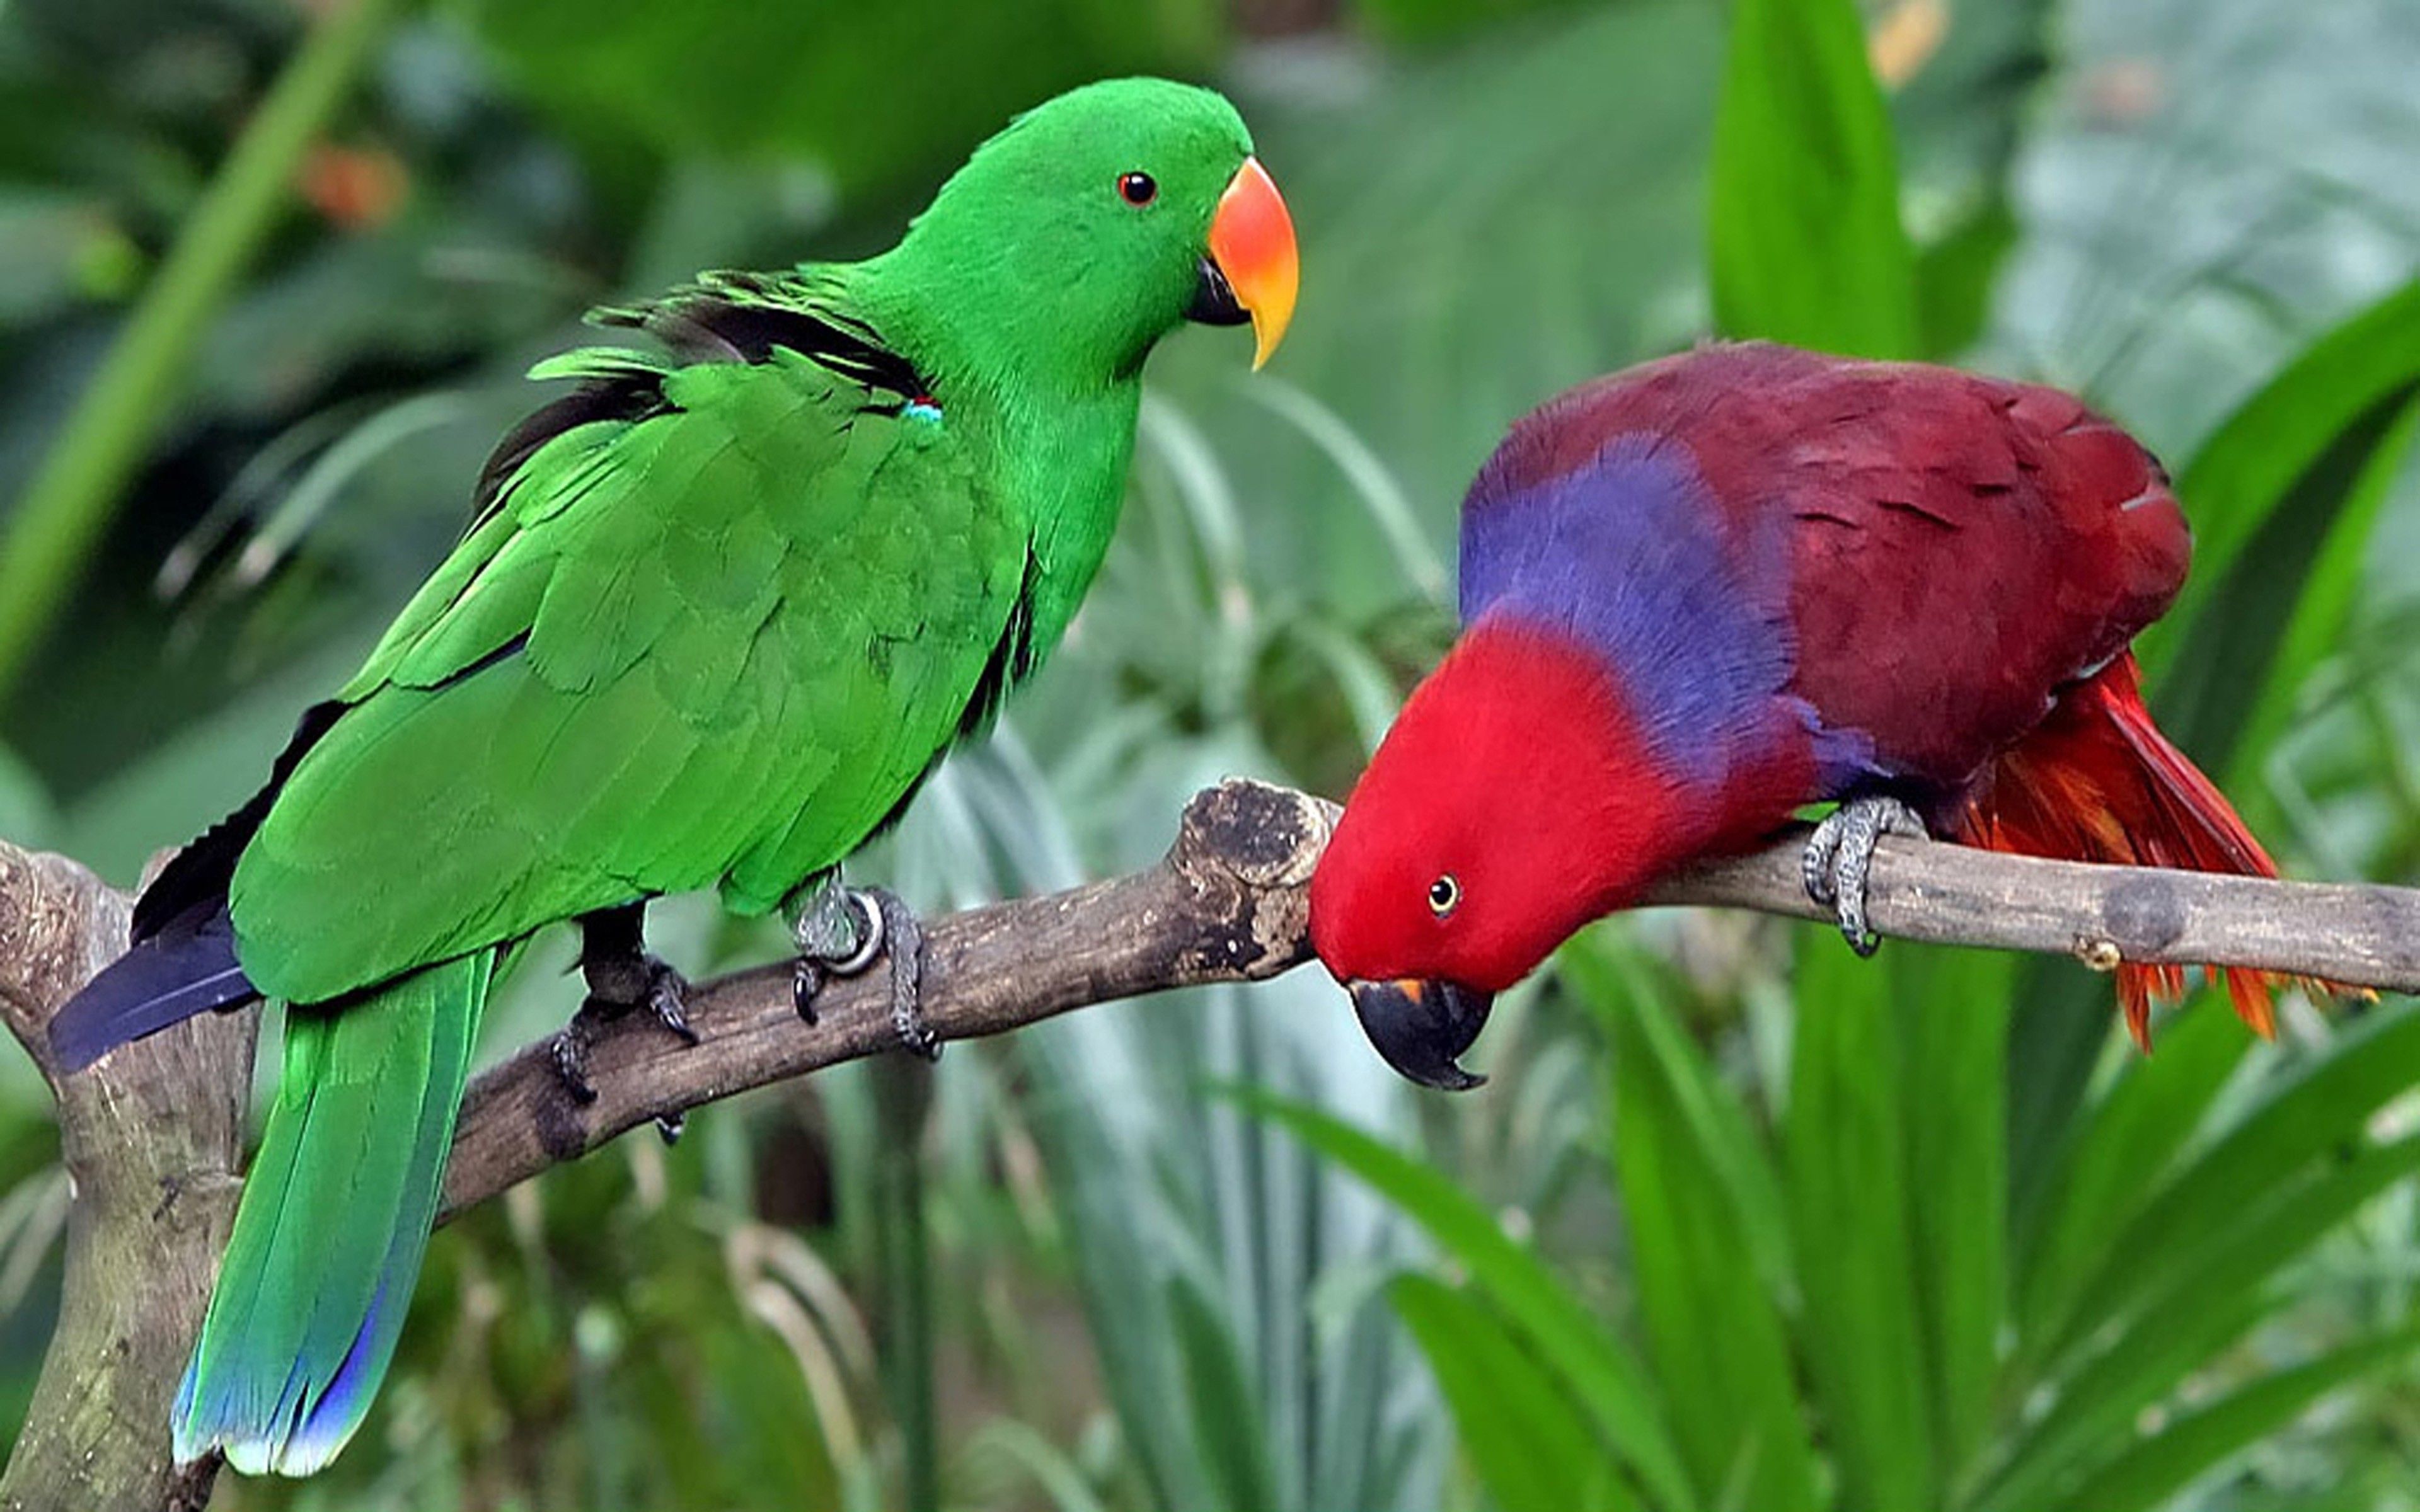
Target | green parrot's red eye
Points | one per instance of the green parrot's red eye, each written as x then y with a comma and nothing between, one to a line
1443,894
1138,188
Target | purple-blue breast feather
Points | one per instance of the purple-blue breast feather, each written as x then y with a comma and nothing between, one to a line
1628,554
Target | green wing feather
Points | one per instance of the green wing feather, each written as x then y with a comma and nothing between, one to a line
713,645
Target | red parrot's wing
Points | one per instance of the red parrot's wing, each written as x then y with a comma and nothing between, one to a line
1962,549
1958,549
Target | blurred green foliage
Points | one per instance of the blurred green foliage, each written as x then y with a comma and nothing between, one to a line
1734,1224
881,95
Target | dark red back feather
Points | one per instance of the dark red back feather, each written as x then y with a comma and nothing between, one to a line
1963,547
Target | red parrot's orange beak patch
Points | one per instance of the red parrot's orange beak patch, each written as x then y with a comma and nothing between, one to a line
1251,240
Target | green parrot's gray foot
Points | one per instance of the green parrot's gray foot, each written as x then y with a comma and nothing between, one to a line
904,946
838,933
841,932
621,977
1840,853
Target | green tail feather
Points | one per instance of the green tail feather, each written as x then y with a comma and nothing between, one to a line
335,1216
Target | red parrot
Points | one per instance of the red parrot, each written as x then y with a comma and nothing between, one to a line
1704,592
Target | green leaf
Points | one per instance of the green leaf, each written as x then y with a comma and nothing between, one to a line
1631,994
2308,1114
1845,1153
2228,666
1532,1450
1805,240
764,80
1708,1245
1604,1373
2156,1468
2219,1289
2115,1157
1226,1414
1955,276
1052,1471
2061,1030
1953,1009
2284,449
1959,120
2321,613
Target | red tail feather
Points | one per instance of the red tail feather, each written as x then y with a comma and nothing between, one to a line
2097,781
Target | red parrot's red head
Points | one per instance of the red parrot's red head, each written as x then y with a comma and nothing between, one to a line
1511,804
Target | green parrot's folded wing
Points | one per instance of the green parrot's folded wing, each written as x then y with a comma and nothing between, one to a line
674,630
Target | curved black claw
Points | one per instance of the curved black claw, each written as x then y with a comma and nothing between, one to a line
1839,856
569,1051
669,997
806,984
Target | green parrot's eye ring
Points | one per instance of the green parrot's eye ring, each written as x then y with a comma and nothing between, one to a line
1138,189
1444,893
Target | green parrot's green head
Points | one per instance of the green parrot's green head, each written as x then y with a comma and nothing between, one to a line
1096,222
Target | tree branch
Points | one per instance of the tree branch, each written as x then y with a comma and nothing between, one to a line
151,1135
153,1139
1230,903
2357,934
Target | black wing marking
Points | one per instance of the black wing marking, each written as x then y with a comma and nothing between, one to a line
741,317
1011,659
633,394
729,318
195,881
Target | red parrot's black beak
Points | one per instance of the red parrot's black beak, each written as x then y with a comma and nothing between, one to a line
1423,1028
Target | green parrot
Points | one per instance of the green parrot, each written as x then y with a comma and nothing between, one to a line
719,613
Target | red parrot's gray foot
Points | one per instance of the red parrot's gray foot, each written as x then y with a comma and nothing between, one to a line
1840,853
621,977
841,932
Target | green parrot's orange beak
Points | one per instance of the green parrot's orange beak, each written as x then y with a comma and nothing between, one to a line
1251,245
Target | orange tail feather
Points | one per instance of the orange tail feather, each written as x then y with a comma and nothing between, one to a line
2097,781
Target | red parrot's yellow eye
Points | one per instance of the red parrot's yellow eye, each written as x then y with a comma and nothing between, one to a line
1444,893
1138,188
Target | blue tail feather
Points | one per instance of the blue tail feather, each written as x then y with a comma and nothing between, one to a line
163,980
